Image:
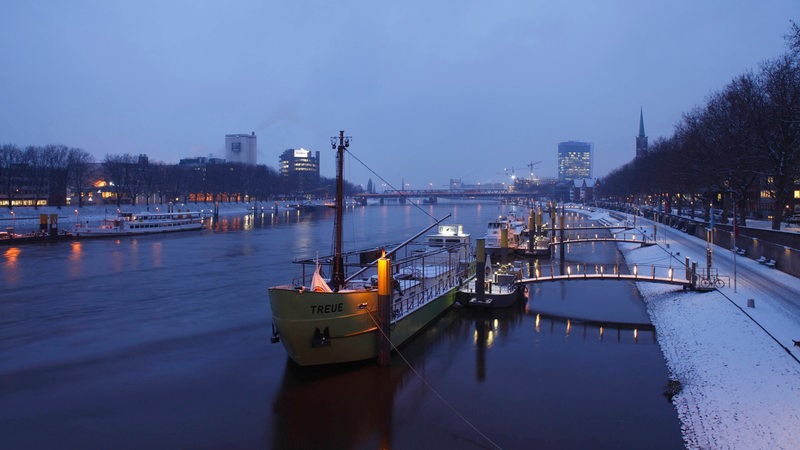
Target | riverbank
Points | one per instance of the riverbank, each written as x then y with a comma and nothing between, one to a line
26,219
738,365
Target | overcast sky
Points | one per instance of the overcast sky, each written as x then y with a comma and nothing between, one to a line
428,90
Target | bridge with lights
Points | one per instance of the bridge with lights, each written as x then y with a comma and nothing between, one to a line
430,195
683,276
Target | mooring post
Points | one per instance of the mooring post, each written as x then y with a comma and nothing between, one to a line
539,220
561,245
531,231
53,224
687,271
503,244
480,270
384,310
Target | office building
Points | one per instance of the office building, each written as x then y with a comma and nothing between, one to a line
241,148
299,170
575,160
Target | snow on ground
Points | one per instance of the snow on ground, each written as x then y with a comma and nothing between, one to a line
738,366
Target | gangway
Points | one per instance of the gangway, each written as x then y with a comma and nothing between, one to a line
680,276
643,242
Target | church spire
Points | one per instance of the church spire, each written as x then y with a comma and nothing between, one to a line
641,123
641,140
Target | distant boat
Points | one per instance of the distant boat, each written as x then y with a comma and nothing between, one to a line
507,227
501,290
328,321
541,245
127,223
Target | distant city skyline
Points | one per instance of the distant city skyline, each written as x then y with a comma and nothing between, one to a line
429,92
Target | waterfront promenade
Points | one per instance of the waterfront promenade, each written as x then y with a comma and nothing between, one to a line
738,365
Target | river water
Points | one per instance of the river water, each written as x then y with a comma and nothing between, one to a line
164,342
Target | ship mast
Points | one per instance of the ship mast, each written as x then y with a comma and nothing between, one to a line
339,144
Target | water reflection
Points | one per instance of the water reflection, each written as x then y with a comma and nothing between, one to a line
336,407
75,258
11,265
11,254
157,249
595,330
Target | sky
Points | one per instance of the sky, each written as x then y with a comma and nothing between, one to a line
429,91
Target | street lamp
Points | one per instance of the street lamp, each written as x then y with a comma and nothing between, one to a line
76,219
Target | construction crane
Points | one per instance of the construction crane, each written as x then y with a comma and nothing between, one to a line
510,173
531,165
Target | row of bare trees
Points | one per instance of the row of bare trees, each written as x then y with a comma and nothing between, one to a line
134,177
745,139
54,171
41,172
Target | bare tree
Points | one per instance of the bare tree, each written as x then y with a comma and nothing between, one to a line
120,170
78,161
777,132
10,164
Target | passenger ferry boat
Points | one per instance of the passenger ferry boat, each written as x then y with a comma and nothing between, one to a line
328,321
127,223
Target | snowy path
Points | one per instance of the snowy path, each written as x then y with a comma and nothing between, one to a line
738,366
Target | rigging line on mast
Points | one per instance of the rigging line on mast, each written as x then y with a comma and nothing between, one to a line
388,184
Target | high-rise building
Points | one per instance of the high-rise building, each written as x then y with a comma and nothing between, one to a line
299,170
641,139
241,148
574,160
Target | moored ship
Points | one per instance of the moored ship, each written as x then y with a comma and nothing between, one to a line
143,223
335,320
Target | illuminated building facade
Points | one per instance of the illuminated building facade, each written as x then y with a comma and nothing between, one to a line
299,170
575,160
241,148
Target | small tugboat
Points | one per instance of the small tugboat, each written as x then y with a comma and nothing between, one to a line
333,321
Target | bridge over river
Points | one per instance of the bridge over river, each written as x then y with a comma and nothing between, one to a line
684,276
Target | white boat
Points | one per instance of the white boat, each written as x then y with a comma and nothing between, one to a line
504,232
328,321
127,223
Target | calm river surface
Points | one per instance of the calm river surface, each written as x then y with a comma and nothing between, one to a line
164,342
